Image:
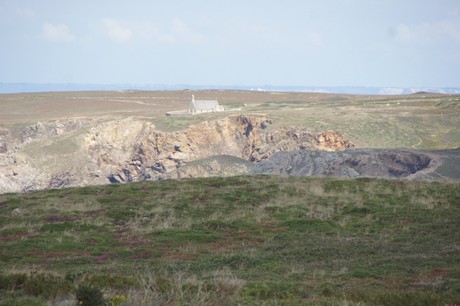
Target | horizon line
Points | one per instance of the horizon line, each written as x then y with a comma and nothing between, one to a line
29,87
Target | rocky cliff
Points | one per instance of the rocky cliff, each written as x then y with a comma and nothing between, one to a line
127,151
350,163
80,152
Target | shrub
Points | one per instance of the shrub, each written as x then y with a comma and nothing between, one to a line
89,296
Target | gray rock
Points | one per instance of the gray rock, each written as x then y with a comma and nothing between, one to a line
348,163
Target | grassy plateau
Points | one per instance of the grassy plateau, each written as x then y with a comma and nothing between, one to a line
419,121
259,240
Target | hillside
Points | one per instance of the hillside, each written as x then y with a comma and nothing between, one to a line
248,240
213,234
57,140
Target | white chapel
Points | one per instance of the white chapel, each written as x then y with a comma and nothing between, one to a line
204,106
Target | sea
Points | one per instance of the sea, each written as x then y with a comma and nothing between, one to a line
59,87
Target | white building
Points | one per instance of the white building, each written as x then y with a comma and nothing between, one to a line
204,106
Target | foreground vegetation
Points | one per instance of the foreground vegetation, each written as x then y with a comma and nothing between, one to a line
256,240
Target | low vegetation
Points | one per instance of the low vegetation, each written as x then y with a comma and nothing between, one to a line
258,240
421,121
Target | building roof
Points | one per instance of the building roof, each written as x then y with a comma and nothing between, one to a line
205,104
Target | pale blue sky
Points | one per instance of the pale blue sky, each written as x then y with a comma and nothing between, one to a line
234,42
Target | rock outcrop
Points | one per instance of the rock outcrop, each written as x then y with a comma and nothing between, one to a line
128,151
78,152
4,140
350,163
44,130
81,152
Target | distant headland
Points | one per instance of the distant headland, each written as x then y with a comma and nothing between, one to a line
365,90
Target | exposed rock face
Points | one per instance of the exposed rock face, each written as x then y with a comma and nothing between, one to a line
80,152
4,139
349,163
22,171
45,130
131,152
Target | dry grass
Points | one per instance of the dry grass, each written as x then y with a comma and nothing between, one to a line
429,121
183,289
66,207
238,240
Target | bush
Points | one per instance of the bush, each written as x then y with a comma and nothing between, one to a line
89,296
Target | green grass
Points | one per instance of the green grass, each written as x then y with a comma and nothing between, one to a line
177,123
258,240
376,122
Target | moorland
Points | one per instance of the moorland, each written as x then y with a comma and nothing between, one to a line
71,234
65,139
258,240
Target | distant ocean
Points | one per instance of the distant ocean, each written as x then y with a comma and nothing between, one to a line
33,87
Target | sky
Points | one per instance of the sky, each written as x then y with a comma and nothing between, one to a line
402,43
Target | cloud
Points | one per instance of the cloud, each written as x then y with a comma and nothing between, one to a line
427,33
402,32
151,32
116,31
451,29
26,13
124,31
315,38
183,32
57,33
